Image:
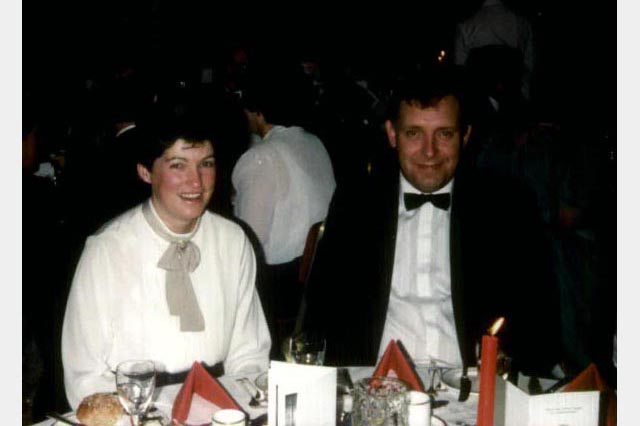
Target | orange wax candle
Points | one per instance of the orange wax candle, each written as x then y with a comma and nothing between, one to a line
488,365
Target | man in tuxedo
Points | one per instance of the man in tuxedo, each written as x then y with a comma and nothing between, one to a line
426,251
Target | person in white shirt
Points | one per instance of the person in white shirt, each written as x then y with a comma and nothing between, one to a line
282,187
167,280
496,24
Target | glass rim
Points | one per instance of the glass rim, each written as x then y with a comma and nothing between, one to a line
146,362
365,383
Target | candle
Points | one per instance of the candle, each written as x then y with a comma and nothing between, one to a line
488,364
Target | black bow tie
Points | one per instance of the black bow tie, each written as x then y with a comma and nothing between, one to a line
413,201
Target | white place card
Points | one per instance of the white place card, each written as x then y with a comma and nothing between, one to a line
301,395
515,407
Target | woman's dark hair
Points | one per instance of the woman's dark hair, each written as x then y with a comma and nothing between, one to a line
163,124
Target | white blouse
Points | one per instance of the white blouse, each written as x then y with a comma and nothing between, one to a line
117,308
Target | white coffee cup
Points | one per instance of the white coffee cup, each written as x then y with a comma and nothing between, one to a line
229,417
419,409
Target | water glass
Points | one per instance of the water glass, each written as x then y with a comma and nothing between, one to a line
307,348
380,401
135,382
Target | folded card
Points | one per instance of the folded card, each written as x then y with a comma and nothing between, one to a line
515,407
301,395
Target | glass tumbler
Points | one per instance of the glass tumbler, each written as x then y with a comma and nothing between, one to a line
380,401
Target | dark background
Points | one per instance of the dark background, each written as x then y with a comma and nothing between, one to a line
65,44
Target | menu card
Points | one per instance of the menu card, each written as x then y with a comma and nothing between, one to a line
515,407
304,395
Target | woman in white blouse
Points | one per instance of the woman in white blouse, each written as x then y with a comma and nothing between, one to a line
167,280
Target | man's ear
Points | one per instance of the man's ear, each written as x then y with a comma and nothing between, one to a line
391,133
144,173
465,138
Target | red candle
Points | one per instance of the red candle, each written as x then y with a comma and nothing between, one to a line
487,380
488,365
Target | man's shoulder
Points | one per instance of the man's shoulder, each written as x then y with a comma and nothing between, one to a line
257,157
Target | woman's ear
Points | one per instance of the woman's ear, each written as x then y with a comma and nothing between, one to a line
144,173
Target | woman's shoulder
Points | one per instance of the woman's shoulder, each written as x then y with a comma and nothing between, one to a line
121,228
222,226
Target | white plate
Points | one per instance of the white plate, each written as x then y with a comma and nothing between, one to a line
124,420
451,378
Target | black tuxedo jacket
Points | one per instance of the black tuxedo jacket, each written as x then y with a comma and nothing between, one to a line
500,266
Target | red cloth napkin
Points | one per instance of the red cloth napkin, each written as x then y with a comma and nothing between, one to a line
199,381
396,360
590,379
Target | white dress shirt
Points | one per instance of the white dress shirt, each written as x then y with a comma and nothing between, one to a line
283,186
117,307
420,312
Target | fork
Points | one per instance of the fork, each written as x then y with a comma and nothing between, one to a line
432,371
248,386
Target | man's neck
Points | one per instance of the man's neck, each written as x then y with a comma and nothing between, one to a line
264,129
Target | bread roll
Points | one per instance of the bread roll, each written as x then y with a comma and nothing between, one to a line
100,409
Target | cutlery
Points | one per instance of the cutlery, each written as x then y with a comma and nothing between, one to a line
63,419
248,386
465,386
432,370
439,403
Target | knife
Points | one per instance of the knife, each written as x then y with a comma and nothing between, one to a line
465,386
63,419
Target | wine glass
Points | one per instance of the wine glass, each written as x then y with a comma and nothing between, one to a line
136,381
307,348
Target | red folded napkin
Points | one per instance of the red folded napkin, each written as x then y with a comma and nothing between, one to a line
199,381
397,361
590,379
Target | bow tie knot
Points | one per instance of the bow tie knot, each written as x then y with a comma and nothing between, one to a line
413,201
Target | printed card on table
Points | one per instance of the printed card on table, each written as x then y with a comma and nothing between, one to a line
304,395
518,408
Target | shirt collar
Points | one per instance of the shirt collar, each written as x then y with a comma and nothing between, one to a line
275,129
406,186
186,236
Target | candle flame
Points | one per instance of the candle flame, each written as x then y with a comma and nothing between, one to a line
493,330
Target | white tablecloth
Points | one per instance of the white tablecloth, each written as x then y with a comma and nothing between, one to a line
454,413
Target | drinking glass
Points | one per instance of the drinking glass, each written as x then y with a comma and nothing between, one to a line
136,381
306,348
380,401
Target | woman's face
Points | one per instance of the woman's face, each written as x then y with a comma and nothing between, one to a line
182,182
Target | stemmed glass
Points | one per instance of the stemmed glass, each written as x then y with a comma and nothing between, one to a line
306,348
136,381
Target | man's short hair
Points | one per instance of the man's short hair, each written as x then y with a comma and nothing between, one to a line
425,88
163,124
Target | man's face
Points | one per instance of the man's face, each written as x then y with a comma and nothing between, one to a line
429,141
182,183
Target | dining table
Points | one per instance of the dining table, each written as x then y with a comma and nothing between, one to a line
448,410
